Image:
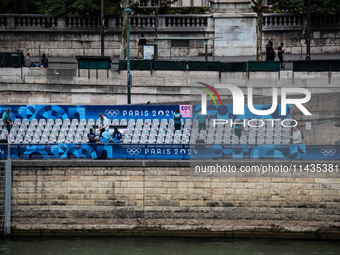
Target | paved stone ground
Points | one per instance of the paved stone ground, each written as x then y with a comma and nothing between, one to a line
71,62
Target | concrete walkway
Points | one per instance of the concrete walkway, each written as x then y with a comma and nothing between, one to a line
71,62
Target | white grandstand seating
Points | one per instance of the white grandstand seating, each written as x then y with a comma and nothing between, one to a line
139,131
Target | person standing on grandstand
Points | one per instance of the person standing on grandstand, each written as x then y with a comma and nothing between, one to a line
178,120
201,120
238,129
91,136
103,124
297,136
116,136
7,119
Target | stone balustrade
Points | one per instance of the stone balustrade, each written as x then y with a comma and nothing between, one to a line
275,22
113,24
271,22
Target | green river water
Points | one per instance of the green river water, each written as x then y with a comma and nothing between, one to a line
158,245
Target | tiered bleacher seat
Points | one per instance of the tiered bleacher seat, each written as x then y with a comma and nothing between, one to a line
139,131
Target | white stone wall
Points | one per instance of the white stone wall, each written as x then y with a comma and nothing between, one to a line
238,32
325,41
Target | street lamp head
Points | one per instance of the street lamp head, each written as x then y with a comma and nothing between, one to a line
128,11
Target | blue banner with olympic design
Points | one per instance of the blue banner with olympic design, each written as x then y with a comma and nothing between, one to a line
90,111
171,151
127,112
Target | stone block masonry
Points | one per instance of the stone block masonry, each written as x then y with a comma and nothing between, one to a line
79,197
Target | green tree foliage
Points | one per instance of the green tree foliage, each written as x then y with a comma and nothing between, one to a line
318,7
61,7
17,6
325,7
164,7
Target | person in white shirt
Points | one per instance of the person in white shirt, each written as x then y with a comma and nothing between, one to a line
297,136
103,124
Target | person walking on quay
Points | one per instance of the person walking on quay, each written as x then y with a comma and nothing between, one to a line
103,124
267,50
270,52
178,120
7,119
280,51
141,41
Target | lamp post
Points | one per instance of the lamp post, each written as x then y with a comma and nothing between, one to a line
156,30
102,26
308,32
128,11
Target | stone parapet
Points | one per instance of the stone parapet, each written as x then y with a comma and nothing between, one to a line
232,20
64,86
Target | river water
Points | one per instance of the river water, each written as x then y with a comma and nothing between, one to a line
165,246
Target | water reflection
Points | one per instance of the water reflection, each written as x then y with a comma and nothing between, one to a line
165,246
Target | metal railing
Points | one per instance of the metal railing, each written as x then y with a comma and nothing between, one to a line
2,198
5,195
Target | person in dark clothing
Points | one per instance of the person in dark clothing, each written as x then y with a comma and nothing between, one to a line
178,120
116,136
91,136
270,52
280,51
267,50
44,60
238,129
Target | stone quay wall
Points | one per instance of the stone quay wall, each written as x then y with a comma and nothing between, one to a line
65,87
81,197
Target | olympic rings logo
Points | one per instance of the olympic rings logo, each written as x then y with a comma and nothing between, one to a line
328,151
133,151
111,113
